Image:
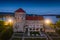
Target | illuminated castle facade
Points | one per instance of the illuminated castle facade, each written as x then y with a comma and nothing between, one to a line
27,22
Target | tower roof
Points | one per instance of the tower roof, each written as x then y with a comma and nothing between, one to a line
20,10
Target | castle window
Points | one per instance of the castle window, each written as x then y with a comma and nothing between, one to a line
30,29
37,28
22,17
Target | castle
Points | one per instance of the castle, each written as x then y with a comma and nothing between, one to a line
28,22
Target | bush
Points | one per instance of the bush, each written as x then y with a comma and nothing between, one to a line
6,34
58,31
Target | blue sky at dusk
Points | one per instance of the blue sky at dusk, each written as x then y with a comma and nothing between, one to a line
32,6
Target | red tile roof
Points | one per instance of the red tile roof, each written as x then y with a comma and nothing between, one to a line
34,17
20,10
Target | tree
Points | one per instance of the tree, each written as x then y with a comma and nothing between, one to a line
58,23
1,25
58,26
5,30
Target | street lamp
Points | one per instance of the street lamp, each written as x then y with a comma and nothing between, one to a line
9,21
47,21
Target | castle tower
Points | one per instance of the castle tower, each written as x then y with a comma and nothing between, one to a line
20,20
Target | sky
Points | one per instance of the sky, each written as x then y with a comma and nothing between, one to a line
40,7
31,6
